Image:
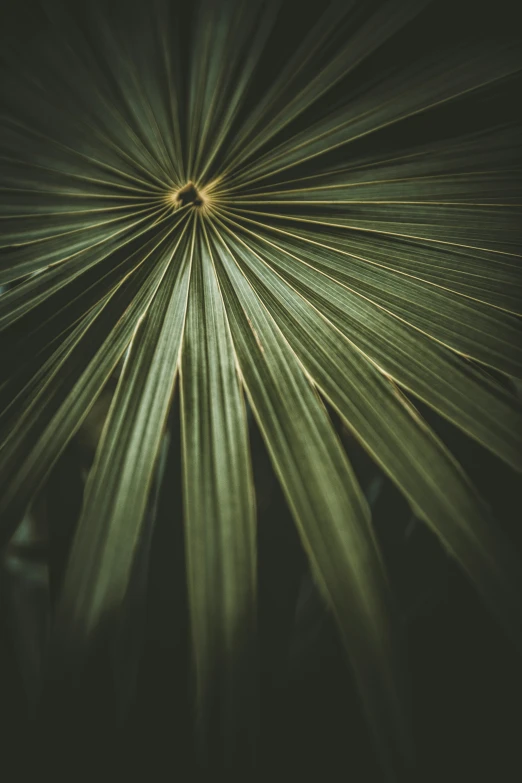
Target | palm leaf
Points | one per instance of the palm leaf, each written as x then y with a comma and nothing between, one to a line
175,193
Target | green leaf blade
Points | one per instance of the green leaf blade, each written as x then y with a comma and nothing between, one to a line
326,502
220,528
102,554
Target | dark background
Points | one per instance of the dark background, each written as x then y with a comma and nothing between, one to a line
465,683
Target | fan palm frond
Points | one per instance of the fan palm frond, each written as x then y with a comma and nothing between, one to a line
177,191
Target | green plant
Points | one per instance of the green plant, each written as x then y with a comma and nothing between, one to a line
190,198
